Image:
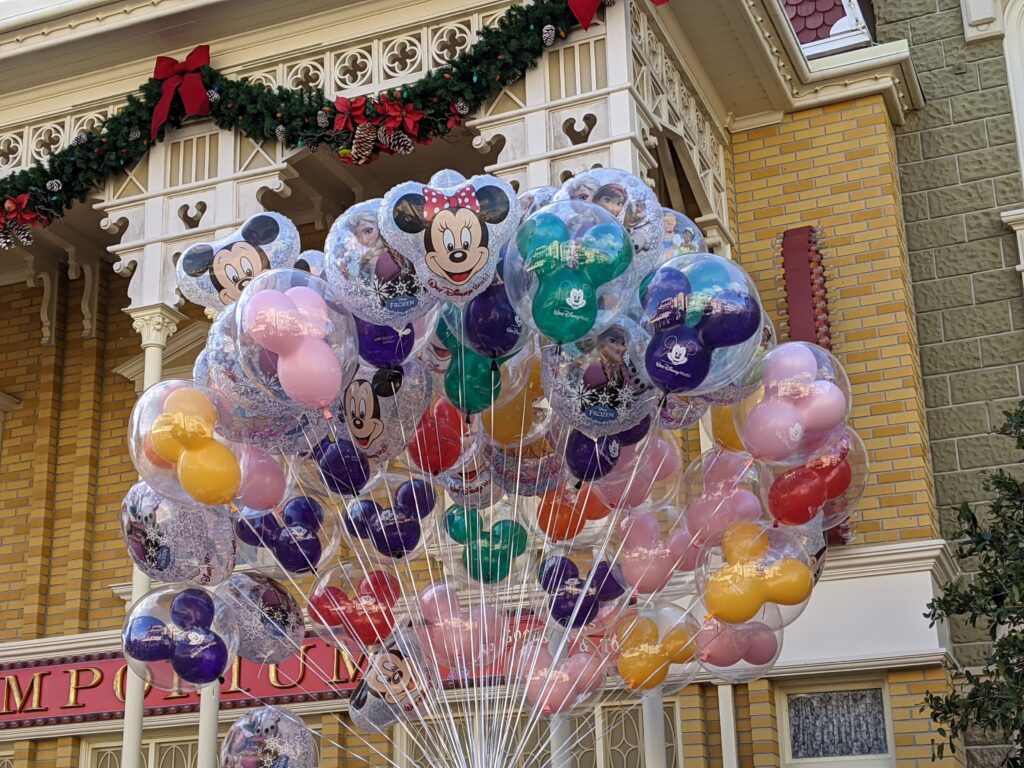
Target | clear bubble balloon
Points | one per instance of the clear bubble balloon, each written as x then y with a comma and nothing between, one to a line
299,537
561,677
354,609
681,412
532,200
719,488
645,476
653,547
746,384
269,736
655,647
180,638
573,516
485,547
464,635
174,542
270,625
681,235
386,522
533,467
742,653
585,590
395,686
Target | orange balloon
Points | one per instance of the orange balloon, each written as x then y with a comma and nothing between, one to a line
191,431
534,387
734,597
508,422
679,645
153,456
162,439
789,582
558,520
643,668
744,542
723,428
591,506
636,631
191,402
210,474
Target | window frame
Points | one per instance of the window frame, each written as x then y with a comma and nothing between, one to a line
785,689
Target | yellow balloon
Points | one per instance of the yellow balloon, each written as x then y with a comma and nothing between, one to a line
744,542
535,390
678,644
191,431
723,428
191,402
734,597
634,631
789,582
643,669
162,439
210,474
509,422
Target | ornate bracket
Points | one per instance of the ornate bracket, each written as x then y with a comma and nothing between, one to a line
42,273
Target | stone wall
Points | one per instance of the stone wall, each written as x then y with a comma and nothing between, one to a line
959,170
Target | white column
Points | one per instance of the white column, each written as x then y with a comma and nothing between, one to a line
653,705
727,723
155,324
560,739
209,705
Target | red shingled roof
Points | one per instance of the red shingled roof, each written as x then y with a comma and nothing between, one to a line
813,19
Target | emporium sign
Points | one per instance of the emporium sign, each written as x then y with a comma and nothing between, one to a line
92,687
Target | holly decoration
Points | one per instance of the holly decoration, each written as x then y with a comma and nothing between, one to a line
421,111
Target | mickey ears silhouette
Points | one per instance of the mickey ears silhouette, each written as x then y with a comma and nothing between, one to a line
214,273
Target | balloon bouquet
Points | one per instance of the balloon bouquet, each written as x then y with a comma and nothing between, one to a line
456,442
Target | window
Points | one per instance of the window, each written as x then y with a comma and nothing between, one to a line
171,752
848,724
6,761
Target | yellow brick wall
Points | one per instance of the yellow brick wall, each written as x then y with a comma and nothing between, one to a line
914,733
835,167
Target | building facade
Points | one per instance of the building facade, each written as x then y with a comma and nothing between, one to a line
766,121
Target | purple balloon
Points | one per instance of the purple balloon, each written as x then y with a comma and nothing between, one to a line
676,359
634,435
296,548
573,607
358,516
731,318
416,496
491,324
200,656
148,639
303,510
192,609
394,533
665,283
556,571
382,346
606,582
256,529
344,467
589,458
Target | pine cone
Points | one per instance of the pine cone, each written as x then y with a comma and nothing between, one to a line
607,3
54,185
280,133
21,232
213,96
134,134
548,34
462,107
322,119
79,139
513,78
6,237
362,142
397,141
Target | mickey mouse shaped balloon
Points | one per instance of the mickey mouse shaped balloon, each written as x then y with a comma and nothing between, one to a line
214,274
452,229
582,601
383,406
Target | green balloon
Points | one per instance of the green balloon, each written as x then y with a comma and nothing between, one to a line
605,252
538,240
499,567
485,564
512,535
444,333
565,306
471,382
695,307
463,524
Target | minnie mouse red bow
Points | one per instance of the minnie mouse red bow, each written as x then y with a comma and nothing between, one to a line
185,79
435,201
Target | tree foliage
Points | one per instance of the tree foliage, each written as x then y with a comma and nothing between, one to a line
990,598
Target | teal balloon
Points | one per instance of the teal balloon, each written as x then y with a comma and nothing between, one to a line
471,382
709,276
538,240
606,252
512,535
565,306
463,524
696,308
485,564
444,333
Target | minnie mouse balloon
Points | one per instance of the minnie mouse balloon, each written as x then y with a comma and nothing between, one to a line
270,623
382,408
452,229
378,284
269,736
214,274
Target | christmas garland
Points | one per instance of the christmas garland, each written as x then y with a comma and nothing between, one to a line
357,129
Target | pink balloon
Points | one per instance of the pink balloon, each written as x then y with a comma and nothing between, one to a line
723,467
312,309
790,363
311,375
640,531
548,689
263,484
639,491
648,571
664,460
684,548
702,513
720,645
824,408
774,430
762,645
272,320
587,669
438,603
623,469
740,505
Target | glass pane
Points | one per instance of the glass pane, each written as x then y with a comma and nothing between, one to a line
177,755
623,739
837,723
671,724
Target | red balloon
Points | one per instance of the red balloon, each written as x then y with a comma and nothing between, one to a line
448,414
382,587
327,606
368,621
437,444
837,474
796,496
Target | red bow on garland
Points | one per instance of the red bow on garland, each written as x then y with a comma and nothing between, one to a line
185,79
351,112
397,115
16,209
585,10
